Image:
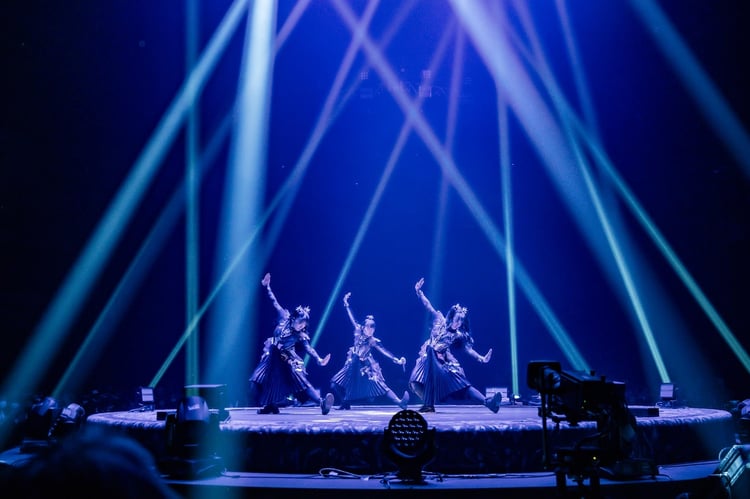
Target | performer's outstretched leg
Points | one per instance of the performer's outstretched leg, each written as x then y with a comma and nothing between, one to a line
403,402
418,388
492,403
341,393
325,403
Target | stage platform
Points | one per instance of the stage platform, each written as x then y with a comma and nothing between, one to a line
469,440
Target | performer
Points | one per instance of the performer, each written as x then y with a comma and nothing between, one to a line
437,374
281,370
361,376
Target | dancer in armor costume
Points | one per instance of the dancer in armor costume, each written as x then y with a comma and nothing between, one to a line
281,371
437,373
361,376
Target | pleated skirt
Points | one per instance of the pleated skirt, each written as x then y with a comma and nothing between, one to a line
355,384
276,379
435,379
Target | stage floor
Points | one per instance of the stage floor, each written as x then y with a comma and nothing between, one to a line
468,439
672,481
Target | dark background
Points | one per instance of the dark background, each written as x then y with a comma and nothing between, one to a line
85,83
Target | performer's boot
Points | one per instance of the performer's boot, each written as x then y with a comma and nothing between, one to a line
326,403
427,408
493,403
340,394
268,409
404,402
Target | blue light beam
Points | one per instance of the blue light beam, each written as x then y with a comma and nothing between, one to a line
67,302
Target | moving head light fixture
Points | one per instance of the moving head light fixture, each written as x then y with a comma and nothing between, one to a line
575,396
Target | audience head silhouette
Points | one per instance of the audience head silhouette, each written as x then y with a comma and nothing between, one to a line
92,462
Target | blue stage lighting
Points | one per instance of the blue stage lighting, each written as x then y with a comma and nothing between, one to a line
409,444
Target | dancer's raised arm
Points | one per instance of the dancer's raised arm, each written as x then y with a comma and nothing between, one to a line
421,296
266,282
349,310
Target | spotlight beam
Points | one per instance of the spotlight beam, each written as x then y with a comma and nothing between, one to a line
354,46
584,96
362,230
403,135
438,257
612,238
117,303
715,108
245,182
666,250
648,225
66,304
455,87
534,115
450,171
396,21
321,128
208,302
192,208
507,188
291,21
137,269
285,195
220,283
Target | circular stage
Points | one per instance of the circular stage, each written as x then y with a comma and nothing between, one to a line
468,439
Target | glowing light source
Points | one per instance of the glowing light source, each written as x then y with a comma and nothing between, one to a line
409,443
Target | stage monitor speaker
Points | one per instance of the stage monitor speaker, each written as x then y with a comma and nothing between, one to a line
667,392
146,395
146,398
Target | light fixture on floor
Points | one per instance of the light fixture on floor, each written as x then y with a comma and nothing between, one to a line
214,395
742,415
409,444
732,472
42,414
47,422
69,421
577,396
191,439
